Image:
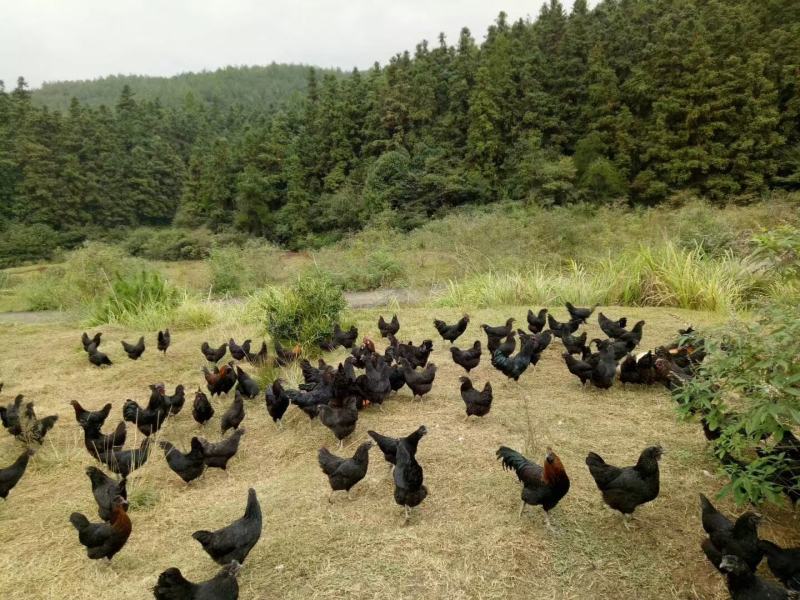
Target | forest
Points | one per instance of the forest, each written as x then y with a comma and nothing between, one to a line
632,101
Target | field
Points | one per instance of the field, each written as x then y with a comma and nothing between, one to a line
465,541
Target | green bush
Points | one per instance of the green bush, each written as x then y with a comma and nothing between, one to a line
749,388
129,297
304,312
228,271
20,244
169,244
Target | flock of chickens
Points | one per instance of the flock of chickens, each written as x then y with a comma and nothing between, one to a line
335,395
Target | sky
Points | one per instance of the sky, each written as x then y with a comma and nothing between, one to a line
51,40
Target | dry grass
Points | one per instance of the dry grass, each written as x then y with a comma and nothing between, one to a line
465,541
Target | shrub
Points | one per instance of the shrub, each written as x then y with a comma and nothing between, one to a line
130,297
748,387
169,244
228,274
303,313
20,244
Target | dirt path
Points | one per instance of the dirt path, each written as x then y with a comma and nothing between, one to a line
33,318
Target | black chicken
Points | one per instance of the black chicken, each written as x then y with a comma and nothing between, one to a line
374,384
339,417
11,416
10,475
740,538
451,332
232,418
286,357
189,465
89,341
247,384
409,488
625,488
743,584
507,346
175,402
105,490
514,366
633,337
501,330
239,352
543,487
217,455
97,358
234,542
104,540
388,445
172,585
220,380
124,462
580,368
134,351
98,443
163,341
261,357
579,314
202,411
420,382
574,344
783,562
147,420
605,370
277,402
390,328
477,403
611,328
536,322
89,419
560,329
345,338
344,473
213,355
470,358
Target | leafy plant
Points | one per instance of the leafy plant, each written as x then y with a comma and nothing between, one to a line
130,297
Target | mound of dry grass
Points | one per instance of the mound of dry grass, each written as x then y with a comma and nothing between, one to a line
465,541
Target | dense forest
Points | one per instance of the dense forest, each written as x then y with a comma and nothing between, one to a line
266,87
635,99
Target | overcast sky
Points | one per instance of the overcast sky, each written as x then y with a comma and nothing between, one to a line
48,40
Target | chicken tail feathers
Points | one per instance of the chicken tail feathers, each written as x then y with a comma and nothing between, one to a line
203,536
79,521
172,585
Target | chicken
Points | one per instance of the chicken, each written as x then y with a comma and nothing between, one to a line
783,562
476,403
147,420
397,378
388,445
87,341
98,443
604,372
134,351
239,352
97,358
579,314
213,355
451,332
247,385
217,455
221,380
104,540
625,488
543,487
537,322
514,366
11,415
632,337
743,584
344,473
172,585
612,329
500,330
420,382
90,420
105,490
124,462
188,466
641,370
493,343
409,487
164,340
559,329
390,328
470,358
312,376
202,411
574,344
277,402
10,475
286,357
261,357
345,338
740,538
374,384
339,417
232,418
507,346
36,429
175,402
581,369
234,542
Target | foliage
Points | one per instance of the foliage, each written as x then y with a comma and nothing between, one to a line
169,244
21,244
130,297
748,386
227,270
304,312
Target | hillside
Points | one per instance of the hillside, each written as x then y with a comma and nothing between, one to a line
250,86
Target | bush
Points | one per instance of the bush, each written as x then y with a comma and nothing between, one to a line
228,271
130,297
748,387
304,313
20,244
169,244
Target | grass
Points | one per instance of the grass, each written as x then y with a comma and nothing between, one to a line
465,541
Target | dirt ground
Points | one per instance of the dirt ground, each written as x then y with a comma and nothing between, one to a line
464,542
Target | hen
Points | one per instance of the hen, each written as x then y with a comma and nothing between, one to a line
188,466
339,417
124,462
581,369
239,352
605,370
477,403
202,411
536,322
233,417
579,314
344,473
97,358
213,355
783,562
626,488
612,329
261,357
468,359
286,357
409,487
514,366
147,420
172,585
740,538
501,330
221,380
420,382
247,384
234,542
574,344
388,445
743,584
163,341
633,337
98,443
89,341
451,332
559,329
11,415
374,384
104,540
217,455
175,402
90,419
105,490
277,402
134,351
543,487
345,338
390,328
10,475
